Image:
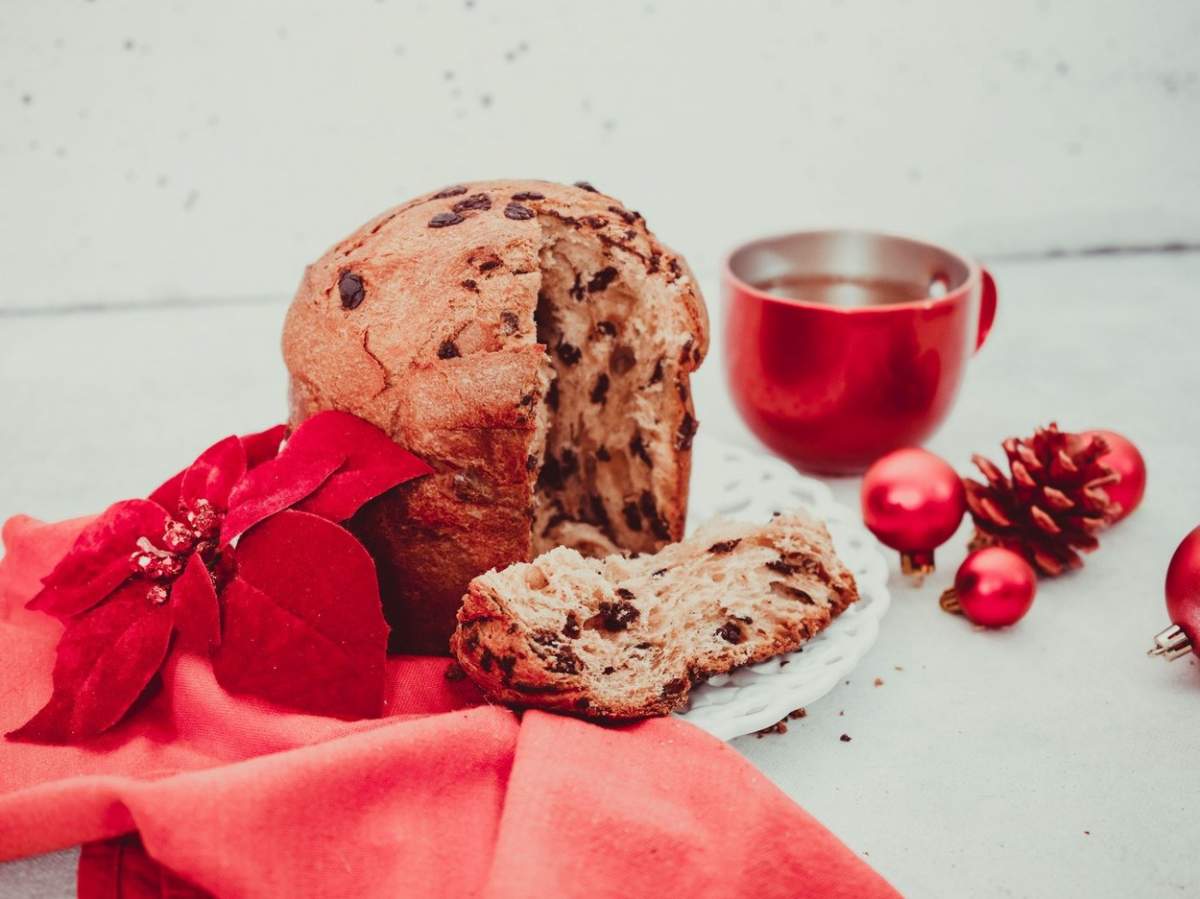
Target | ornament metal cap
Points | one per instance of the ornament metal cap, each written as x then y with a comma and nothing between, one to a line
1171,643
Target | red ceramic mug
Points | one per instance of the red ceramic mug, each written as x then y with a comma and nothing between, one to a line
841,346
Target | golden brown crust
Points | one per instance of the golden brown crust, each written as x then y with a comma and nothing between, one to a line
429,333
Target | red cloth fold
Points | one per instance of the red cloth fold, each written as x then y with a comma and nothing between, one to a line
443,798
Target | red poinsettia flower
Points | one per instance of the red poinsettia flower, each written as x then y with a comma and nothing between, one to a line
239,556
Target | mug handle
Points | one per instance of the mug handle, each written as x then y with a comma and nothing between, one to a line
987,307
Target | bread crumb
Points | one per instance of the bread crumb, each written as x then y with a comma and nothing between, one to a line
845,738
898,667
879,681
779,727
798,713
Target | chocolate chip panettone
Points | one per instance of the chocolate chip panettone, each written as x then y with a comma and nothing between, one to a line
533,343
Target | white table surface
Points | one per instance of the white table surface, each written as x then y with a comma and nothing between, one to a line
1054,758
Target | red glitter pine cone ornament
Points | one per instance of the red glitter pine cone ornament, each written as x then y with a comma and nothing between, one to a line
1051,505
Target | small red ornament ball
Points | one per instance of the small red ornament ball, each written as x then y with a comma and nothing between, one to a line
1123,458
913,502
995,587
1183,589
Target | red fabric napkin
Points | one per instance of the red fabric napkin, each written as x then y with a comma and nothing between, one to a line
445,797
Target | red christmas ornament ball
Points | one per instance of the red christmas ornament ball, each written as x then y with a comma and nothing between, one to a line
913,502
1123,458
995,587
1183,599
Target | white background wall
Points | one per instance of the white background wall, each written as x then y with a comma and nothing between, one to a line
154,151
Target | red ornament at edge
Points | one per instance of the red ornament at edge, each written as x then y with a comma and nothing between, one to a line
1183,602
913,502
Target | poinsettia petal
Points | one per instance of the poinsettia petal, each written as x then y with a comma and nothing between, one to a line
303,624
105,659
274,486
194,603
212,476
259,447
262,446
374,463
98,562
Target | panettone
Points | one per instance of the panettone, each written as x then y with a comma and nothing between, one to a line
533,343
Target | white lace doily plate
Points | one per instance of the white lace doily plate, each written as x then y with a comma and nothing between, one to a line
740,484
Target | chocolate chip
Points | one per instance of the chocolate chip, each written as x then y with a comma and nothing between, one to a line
552,396
584,185
845,738
633,518
724,546
446,192
571,626
602,454
782,567
528,195
609,669
526,400
568,353
566,662
488,264
531,463
622,360
675,267
445,219
731,632
650,511
448,350
655,258
517,212
638,448
681,389
628,216
602,279
674,687
575,291
657,374
351,290
551,475
570,463
617,616
598,514
470,284
486,660
687,430
659,573
582,703
625,593
606,328
475,201
509,322
600,390
596,221
507,664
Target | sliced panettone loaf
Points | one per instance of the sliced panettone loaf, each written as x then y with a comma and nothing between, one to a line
533,343
623,637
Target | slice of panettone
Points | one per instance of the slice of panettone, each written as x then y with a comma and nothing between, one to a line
623,638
